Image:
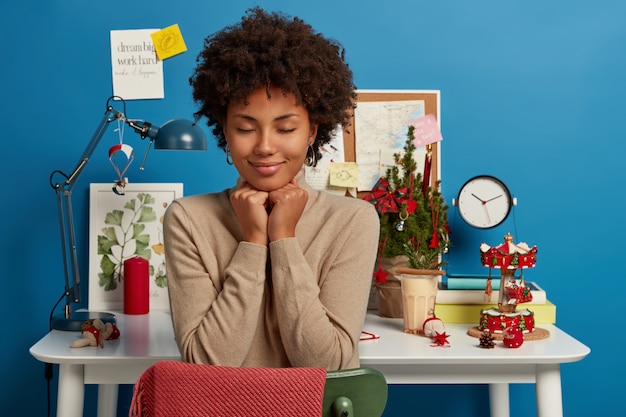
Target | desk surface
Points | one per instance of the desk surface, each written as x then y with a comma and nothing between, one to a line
402,358
147,336
150,337
397,347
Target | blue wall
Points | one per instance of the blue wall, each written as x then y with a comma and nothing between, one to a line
531,92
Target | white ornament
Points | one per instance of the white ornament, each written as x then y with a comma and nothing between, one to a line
432,326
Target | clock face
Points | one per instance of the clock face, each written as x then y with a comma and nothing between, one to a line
484,202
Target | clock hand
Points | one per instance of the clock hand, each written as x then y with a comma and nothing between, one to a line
498,196
487,213
478,198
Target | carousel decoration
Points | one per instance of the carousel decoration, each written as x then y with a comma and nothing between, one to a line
507,318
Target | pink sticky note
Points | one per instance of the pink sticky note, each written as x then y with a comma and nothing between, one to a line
426,130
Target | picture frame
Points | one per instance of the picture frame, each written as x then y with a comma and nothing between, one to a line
123,226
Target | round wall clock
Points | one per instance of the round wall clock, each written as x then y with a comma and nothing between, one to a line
484,202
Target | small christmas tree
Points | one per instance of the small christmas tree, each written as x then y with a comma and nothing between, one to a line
413,214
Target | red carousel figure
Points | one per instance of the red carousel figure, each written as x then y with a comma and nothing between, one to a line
508,257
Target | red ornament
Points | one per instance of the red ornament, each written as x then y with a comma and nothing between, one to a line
96,335
440,339
380,276
512,337
113,330
434,241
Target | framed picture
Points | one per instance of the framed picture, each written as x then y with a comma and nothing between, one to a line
121,227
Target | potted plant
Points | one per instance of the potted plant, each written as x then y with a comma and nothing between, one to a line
413,225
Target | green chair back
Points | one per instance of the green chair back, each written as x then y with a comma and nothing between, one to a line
360,392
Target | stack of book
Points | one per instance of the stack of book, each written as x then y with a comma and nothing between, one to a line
460,300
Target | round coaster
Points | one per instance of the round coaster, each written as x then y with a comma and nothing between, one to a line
536,334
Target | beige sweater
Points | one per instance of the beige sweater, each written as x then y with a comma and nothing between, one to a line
301,302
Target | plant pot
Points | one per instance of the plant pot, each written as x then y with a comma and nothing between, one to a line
389,294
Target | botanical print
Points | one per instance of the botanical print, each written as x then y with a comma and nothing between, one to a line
124,226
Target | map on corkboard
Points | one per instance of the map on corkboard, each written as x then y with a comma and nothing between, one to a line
379,127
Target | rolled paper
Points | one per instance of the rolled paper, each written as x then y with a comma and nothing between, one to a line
136,286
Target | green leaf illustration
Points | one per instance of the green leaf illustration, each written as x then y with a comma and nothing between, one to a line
138,228
114,217
107,241
125,227
146,215
106,278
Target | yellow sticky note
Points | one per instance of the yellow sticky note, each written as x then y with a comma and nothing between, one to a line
168,42
344,174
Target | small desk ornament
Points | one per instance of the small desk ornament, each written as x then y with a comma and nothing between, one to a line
121,153
95,332
507,322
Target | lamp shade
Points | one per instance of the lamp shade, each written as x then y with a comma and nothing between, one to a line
178,134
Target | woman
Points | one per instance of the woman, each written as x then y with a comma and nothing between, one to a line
271,273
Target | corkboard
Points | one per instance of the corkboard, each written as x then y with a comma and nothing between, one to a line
431,106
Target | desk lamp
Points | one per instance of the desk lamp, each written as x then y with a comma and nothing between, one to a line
174,134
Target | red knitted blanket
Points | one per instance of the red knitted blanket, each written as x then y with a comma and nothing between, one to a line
178,389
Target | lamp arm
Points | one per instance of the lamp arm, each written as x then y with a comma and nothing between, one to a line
145,130
66,217
110,115
68,246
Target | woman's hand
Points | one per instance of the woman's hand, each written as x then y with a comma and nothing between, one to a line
250,207
286,205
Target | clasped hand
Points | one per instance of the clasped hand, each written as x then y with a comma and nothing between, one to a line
266,216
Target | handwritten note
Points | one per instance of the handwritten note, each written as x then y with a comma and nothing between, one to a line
318,177
344,174
426,130
168,42
136,70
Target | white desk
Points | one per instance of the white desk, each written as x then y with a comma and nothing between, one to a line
402,358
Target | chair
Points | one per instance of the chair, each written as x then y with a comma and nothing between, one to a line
178,389
360,392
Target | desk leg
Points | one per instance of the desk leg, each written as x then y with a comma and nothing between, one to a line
499,400
71,391
548,390
107,400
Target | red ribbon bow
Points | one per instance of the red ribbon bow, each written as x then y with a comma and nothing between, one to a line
386,201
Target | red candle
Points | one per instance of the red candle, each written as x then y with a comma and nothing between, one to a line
136,286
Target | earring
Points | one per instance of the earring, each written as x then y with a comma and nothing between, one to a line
311,157
229,160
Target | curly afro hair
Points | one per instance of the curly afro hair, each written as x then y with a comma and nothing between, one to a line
272,49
